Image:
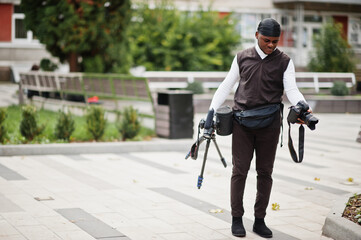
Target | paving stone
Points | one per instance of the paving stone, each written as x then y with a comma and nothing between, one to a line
6,230
10,174
37,232
74,235
7,205
20,219
13,237
89,223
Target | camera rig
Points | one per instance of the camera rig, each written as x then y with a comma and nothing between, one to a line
208,136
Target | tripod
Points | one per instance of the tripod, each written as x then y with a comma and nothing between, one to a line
195,147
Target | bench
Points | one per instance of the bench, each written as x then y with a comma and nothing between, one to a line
114,89
115,86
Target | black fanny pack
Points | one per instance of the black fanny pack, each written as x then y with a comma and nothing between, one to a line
259,117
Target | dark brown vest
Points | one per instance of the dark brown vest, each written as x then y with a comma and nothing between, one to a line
261,80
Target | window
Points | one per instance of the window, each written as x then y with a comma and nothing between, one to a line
19,32
312,18
287,38
248,26
355,32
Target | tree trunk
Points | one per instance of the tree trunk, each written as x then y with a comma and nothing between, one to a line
73,62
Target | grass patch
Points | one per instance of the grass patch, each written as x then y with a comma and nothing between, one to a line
49,118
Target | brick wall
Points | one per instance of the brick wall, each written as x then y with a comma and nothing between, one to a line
5,22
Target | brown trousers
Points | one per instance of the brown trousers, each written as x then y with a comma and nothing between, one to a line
244,143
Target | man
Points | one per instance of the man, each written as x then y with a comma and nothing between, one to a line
263,73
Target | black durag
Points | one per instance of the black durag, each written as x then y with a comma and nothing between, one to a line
269,27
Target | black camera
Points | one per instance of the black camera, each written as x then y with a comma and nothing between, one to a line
300,111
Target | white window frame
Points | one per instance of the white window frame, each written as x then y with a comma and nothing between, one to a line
29,34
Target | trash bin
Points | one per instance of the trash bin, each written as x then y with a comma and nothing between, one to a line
174,114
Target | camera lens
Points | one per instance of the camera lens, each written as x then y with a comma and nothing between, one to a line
311,121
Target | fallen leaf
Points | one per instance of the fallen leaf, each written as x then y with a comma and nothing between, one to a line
275,206
350,179
215,211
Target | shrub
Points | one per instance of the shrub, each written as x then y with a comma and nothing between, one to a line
28,125
196,87
96,122
65,126
339,89
331,56
129,126
161,37
2,127
93,64
47,65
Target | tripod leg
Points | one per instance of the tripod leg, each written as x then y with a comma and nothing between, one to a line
219,153
200,177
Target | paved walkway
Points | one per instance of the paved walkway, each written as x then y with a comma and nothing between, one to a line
142,195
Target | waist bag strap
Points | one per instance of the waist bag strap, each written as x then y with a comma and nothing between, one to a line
301,141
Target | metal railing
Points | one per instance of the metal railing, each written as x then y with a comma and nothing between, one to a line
316,80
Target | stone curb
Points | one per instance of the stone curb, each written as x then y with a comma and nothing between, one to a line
337,227
155,145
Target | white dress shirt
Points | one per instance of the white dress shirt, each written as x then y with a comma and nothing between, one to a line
224,89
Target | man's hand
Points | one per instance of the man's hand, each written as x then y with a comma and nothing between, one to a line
300,121
208,126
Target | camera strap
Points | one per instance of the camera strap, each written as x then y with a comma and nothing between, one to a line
282,106
301,140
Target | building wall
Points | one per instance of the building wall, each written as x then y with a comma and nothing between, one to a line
220,5
5,22
18,50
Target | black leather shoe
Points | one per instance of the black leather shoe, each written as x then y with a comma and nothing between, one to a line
237,227
261,229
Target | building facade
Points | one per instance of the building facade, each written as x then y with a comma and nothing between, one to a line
300,20
19,49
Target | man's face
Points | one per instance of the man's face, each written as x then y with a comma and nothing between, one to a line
267,44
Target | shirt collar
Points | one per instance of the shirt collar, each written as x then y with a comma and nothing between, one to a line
260,52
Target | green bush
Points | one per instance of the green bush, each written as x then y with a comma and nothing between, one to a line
331,56
65,126
28,125
339,89
2,127
47,65
129,126
93,64
96,122
163,38
196,87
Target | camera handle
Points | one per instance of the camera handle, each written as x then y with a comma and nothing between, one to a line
301,140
